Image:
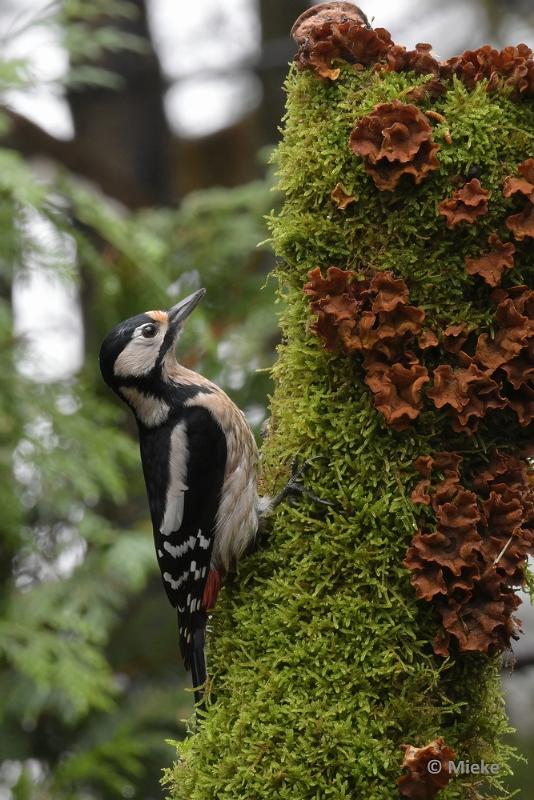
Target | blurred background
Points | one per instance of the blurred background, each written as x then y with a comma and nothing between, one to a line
134,144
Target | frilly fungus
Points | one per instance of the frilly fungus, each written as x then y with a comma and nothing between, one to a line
491,266
522,184
396,389
470,565
426,92
426,339
395,139
358,315
420,60
341,31
466,204
423,782
522,224
336,31
454,337
467,394
514,330
341,197
511,68
373,317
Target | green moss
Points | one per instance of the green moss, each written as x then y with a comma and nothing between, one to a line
320,655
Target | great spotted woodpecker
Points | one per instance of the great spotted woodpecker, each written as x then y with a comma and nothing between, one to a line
199,462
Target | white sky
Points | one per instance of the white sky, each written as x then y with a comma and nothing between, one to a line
46,305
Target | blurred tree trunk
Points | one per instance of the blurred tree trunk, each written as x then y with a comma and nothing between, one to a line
228,157
224,158
123,141
126,131
276,18
9,538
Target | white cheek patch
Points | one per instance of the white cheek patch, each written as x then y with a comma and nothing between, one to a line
136,359
140,354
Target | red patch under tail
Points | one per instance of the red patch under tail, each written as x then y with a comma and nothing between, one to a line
211,589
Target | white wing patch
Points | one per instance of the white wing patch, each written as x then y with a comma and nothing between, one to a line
174,514
192,570
180,549
203,542
175,501
175,584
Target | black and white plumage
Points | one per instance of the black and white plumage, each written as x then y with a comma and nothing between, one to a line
199,461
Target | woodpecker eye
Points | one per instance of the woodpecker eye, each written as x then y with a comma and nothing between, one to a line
149,331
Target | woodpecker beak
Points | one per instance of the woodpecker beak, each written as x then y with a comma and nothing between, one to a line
179,313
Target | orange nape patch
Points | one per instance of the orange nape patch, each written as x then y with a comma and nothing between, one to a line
158,316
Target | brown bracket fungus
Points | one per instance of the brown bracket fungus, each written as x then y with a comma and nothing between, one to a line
427,770
395,139
340,197
336,31
522,224
491,266
466,204
470,566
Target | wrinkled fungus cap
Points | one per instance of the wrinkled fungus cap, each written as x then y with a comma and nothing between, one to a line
311,20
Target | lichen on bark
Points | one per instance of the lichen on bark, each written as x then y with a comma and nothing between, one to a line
320,651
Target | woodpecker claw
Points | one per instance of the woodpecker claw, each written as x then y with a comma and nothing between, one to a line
295,487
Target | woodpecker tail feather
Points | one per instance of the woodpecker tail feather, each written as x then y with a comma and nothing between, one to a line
199,673
192,644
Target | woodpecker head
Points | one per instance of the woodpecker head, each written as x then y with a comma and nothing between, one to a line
135,350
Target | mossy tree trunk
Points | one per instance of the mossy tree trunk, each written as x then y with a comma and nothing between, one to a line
327,653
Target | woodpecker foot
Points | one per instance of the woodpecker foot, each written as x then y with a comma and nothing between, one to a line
295,487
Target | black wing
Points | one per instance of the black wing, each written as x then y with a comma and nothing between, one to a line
184,553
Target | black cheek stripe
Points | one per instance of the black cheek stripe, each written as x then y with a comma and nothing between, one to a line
166,344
